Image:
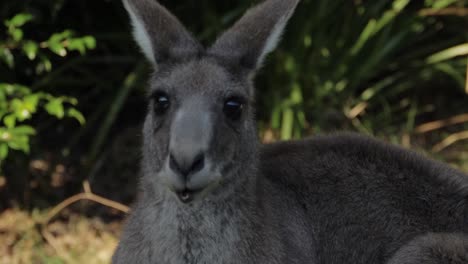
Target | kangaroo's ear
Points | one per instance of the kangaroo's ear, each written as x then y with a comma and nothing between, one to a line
159,34
256,34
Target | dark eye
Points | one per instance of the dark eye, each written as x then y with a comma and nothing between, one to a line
233,108
161,103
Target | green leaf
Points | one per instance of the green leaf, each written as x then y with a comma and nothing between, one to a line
72,100
19,20
438,4
5,135
55,108
19,89
452,72
90,42
16,34
6,88
72,112
7,57
31,101
10,121
23,114
59,37
55,42
287,124
30,48
24,131
81,44
16,104
20,143
366,33
399,5
3,151
44,66
77,44
58,48
450,53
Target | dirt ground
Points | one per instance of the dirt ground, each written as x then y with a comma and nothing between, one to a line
70,239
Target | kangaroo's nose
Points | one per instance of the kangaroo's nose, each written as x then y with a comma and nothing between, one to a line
190,138
186,164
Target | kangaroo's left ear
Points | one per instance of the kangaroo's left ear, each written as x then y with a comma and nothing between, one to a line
255,35
159,34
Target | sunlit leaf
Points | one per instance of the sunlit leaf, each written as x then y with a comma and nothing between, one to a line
23,113
77,44
55,108
58,48
9,121
59,37
30,48
56,42
399,5
31,101
72,112
19,20
459,50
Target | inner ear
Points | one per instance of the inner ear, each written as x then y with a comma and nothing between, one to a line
255,35
160,34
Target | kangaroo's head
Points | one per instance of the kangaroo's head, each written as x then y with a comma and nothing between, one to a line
199,133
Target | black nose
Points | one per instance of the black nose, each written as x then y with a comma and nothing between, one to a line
187,165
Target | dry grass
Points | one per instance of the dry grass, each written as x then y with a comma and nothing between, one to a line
76,239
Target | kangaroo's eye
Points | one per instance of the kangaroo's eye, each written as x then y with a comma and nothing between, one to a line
233,108
161,103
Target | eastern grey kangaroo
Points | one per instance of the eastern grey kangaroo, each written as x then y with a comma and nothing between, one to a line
210,193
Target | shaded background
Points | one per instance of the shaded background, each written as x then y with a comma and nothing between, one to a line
72,99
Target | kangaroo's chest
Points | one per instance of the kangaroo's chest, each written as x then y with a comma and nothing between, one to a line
196,237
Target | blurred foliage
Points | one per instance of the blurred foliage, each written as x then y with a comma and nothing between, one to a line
18,103
371,63
379,67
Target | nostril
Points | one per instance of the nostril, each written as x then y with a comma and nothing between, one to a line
198,164
186,168
173,164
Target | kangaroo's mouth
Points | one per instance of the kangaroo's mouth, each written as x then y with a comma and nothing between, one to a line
186,195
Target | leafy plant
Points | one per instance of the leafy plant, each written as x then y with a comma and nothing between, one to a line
19,103
364,63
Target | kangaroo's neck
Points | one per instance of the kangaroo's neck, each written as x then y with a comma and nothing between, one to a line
215,229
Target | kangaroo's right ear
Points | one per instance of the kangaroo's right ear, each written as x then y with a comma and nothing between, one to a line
255,35
159,34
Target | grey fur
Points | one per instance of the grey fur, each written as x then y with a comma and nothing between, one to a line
335,199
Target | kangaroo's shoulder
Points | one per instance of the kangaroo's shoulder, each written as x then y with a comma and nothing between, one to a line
337,147
350,155
341,143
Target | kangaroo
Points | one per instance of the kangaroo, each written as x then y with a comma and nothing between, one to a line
211,193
